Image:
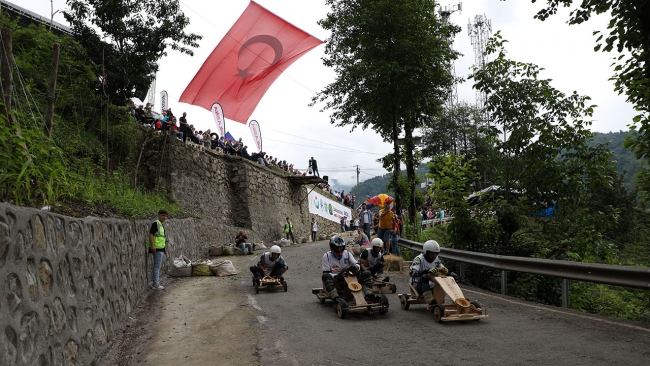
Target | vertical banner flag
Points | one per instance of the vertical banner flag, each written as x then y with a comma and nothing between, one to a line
257,134
164,100
252,55
217,113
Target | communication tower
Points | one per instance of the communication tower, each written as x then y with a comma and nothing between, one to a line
444,14
479,32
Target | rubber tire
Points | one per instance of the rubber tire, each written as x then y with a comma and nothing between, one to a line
257,288
284,284
384,303
438,312
321,299
394,289
403,301
340,312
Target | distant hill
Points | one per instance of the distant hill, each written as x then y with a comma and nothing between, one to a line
626,163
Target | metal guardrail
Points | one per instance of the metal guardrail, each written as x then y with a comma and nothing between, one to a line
432,222
625,276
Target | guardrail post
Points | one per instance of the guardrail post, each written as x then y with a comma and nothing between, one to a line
462,270
565,293
504,282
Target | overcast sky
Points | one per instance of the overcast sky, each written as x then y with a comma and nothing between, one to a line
293,131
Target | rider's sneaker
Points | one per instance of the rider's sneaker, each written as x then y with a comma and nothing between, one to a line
386,279
371,298
157,287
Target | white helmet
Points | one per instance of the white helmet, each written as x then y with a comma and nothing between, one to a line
431,246
276,249
376,242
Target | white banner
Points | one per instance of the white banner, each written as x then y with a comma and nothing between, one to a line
217,113
257,134
164,101
327,208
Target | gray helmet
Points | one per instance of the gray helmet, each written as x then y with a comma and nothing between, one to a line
431,246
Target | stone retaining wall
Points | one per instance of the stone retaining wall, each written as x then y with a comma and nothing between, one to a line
68,284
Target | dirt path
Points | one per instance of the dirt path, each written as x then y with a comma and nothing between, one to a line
194,321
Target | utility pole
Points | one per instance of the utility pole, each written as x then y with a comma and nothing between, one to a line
6,73
51,94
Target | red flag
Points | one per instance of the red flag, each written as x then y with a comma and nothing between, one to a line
254,52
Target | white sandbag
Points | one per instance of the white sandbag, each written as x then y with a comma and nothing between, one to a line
215,251
258,246
224,268
284,242
181,267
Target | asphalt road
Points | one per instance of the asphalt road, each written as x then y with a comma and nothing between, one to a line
296,329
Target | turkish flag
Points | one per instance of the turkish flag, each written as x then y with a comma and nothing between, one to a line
254,52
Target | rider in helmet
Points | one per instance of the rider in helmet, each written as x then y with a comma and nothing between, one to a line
424,267
372,260
271,264
335,263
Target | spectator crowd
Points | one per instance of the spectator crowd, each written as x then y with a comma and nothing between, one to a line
210,140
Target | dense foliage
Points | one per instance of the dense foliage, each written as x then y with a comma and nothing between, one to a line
629,36
545,156
124,40
68,171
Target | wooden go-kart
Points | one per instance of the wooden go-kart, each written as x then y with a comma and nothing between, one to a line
354,296
269,283
460,308
380,287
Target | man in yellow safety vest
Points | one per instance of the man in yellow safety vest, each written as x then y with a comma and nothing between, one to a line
157,247
288,229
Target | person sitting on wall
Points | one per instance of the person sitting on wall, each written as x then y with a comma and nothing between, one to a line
241,242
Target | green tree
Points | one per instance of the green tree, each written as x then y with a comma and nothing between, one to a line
629,34
126,38
545,153
391,59
462,130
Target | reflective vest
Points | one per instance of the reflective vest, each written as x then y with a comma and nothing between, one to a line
288,227
159,236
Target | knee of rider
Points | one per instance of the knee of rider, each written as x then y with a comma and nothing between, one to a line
365,275
327,277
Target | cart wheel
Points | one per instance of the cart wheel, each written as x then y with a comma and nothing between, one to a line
321,299
438,312
284,284
384,304
340,312
394,288
257,288
403,301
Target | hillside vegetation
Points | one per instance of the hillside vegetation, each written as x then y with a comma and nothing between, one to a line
88,166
